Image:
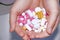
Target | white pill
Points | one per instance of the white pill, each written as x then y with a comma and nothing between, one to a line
28,21
28,27
37,9
21,18
45,26
21,24
42,23
36,30
44,19
29,12
36,25
33,13
23,14
44,11
36,17
35,21
39,30
44,29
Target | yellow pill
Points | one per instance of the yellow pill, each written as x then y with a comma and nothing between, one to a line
42,28
40,14
24,28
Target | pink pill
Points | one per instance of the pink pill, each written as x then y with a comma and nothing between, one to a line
31,25
24,22
21,16
31,18
31,10
18,21
27,16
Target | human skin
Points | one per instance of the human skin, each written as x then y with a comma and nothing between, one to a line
20,6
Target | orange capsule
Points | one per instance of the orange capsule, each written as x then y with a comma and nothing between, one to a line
24,28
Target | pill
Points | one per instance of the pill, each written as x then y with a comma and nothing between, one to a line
42,23
28,21
36,17
43,29
18,21
44,19
31,25
27,16
37,25
39,30
44,12
38,9
28,27
31,18
24,28
39,14
45,26
36,30
23,14
24,22
21,24
21,18
29,12
34,21
33,13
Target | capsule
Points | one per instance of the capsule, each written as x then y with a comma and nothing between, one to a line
24,28
28,27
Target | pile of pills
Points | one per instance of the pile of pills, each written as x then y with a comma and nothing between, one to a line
33,20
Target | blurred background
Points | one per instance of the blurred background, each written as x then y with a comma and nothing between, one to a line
5,6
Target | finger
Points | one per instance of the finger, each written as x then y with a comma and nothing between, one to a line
18,7
26,37
57,22
42,35
52,10
35,4
12,20
19,31
38,35
41,3
51,22
31,34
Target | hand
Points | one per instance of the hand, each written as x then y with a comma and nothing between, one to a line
51,7
22,5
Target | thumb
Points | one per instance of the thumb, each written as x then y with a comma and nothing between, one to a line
51,23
